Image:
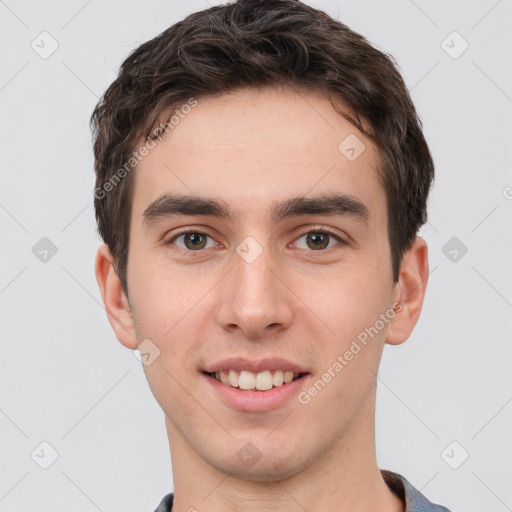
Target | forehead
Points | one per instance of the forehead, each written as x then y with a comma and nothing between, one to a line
253,148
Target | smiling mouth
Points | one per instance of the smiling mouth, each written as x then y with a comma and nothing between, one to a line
255,381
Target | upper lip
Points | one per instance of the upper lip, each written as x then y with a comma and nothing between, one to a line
268,363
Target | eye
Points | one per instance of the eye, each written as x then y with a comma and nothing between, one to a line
320,239
192,240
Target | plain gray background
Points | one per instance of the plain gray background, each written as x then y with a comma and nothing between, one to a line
65,379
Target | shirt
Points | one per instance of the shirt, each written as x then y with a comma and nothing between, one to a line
413,499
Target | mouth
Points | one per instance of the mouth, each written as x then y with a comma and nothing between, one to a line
255,381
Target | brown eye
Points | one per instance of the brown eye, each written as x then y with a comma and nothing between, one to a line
317,240
320,240
192,241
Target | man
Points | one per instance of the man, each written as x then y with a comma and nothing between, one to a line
261,179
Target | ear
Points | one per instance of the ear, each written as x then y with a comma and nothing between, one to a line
118,309
409,292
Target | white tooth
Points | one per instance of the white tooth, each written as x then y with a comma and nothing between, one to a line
233,378
288,376
217,375
246,380
278,378
264,380
224,376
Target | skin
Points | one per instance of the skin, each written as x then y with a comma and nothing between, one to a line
294,301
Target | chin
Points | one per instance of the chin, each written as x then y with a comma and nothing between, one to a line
266,465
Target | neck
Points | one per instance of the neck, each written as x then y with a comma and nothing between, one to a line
343,478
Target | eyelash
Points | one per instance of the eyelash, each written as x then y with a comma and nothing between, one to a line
318,229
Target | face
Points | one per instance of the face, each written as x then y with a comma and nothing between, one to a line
284,265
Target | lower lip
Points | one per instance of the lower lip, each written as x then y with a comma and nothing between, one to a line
255,401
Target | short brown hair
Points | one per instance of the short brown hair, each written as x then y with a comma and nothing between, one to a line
257,43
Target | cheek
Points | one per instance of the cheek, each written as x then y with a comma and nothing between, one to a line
353,298
161,296
167,309
165,377
351,307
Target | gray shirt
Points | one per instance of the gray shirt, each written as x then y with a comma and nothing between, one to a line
413,499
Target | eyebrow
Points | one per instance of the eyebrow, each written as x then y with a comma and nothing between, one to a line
170,205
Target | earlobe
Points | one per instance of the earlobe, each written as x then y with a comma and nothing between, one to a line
409,292
116,304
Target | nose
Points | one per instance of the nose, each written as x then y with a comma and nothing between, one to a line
255,298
